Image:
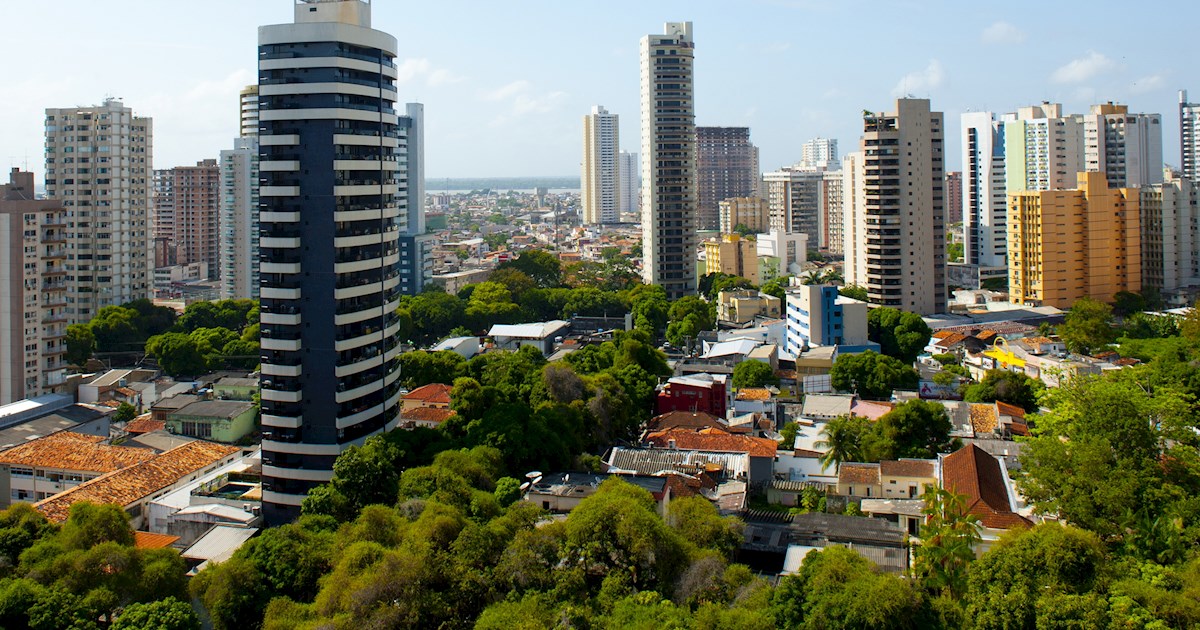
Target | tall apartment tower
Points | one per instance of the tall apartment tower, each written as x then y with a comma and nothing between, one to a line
238,239
669,201
982,192
726,167
33,291
99,164
819,153
834,200
954,197
416,247
1043,149
186,210
1126,147
1069,244
333,207
1189,137
895,228
601,180
794,199
248,111
1170,214
631,181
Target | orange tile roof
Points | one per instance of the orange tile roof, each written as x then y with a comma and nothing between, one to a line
431,393
147,540
1038,340
973,472
428,414
985,335
74,451
754,393
714,440
145,425
127,485
942,334
1013,411
853,472
983,417
907,468
683,420
951,340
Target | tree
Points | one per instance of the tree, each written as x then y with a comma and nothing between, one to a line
776,287
178,354
870,375
854,292
689,316
81,343
421,367
916,429
1087,327
124,413
164,614
1126,303
649,306
542,266
1189,326
751,373
1007,386
948,538
844,439
900,334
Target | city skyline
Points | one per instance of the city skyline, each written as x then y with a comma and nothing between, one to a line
522,97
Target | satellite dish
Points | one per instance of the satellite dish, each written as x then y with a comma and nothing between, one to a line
533,475
525,486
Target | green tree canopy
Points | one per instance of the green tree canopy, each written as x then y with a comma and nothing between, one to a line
751,373
1087,327
1007,386
870,375
900,334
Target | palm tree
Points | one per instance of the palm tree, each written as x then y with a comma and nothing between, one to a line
948,538
843,441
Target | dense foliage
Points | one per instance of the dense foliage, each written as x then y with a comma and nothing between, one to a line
872,376
900,334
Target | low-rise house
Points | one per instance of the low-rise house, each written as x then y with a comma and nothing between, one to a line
562,492
167,406
708,393
654,461
431,396
217,545
135,486
799,464
541,335
693,420
906,513
859,480
971,471
230,494
144,423
465,347
756,400
29,419
234,388
730,352
109,385
427,417
741,306
776,544
217,420
906,478
60,461
760,450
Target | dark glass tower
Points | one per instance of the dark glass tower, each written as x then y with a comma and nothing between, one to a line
333,205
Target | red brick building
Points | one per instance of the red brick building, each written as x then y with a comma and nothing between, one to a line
708,393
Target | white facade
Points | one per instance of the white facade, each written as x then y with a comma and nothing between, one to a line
631,182
99,163
819,153
818,316
601,180
1189,137
1170,215
1126,147
984,201
1043,149
238,231
669,190
790,248
796,203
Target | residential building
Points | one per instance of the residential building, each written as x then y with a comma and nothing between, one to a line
833,223
239,220
669,193
248,110
761,450
708,393
45,466
984,480
895,228
1043,149
416,245
1189,137
981,196
333,198
749,212
795,202
99,163
631,183
601,181
733,255
33,291
559,493
1068,244
890,479
186,210
726,167
777,544
781,254
954,196
218,420
1126,147
541,335
1170,216
819,153
741,306
818,316
431,396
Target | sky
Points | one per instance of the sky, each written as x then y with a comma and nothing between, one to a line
506,84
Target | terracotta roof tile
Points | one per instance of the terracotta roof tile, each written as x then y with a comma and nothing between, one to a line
127,485
983,417
907,468
975,473
1005,409
74,451
754,393
714,440
942,334
432,393
144,425
951,340
852,472
147,540
683,420
428,414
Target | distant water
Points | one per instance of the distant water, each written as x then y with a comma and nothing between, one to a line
460,184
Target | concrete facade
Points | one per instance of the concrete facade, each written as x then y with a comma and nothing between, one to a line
1189,137
601,173
1170,230
751,212
631,182
186,212
818,316
1126,147
733,255
726,167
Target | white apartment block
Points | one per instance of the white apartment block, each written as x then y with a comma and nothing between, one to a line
796,202
1189,137
834,200
1126,147
99,164
819,153
984,200
238,237
1043,149
895,227
1170,219
631,182
670,196
601,180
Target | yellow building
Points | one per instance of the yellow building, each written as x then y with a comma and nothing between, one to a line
733,255
751,212
1064,245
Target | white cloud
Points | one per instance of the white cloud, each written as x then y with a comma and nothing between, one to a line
1148,84
922,81
1002,33
1083,68
507,91
414,68
522,100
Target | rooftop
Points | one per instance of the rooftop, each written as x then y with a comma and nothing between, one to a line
853,472
128,485
41,425
754,393
654,461
432,393
147,540
428,414
215,409
713,440
973,472
537,330
908,468
826,405
683,420
232,381
73,451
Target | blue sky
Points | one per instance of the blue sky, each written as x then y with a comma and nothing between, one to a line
505,84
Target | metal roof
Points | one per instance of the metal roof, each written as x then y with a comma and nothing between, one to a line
219,543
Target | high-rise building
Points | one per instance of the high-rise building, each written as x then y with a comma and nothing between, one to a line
1170,218
99,164
1126,147
601,181
33,291
238,202
1069,244
416,247
631,182
248,111
895,227
795,202
669,202
726,167
186,210
333,206
748,212
1189,137
834,224
1043,149
732,255
819,153
982,197
954,196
